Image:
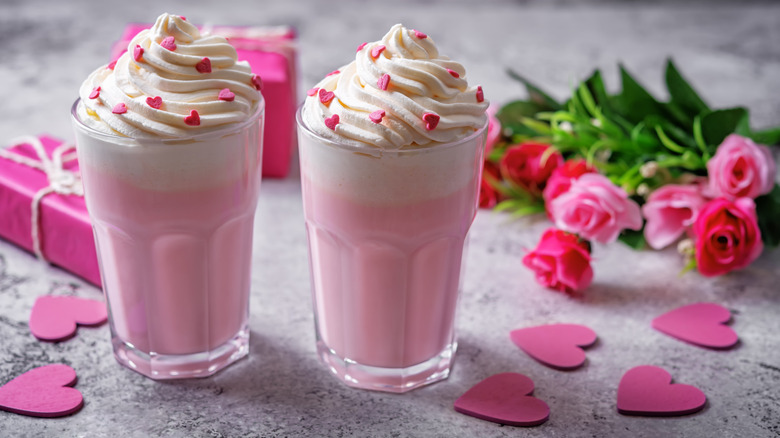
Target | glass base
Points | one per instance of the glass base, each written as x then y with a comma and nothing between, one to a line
396,380
182,366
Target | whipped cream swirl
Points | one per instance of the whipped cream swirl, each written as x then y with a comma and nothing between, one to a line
170,83
398,92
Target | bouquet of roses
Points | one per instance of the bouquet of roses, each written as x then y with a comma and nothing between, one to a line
627,166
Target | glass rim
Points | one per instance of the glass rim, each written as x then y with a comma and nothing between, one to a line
377,151
219,132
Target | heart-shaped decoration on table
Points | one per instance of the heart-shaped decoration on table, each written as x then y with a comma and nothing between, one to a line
648,390
700,324
555,345
42,392
505,399
54,318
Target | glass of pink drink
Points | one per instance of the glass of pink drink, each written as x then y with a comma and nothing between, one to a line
387,232
169,140
173,222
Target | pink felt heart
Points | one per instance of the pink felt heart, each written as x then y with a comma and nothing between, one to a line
699,324
193,119
42,392
203,66
555,345
505,399
226,95
54,318
332,121
326,96
168,43
431,121
154,102
647,390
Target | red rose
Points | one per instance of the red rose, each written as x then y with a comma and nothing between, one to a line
561,178
561,261
727,236
488,195
529,165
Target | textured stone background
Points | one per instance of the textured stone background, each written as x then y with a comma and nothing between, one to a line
728,49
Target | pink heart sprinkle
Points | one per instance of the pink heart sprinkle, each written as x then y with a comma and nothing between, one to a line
183,17
193,119
377,116
377,50
42,392
334,72
420,35
95,93
431,121
699,324
111,65
360,47
138,53
154,102
226,95
204,65
505,399
480,94
555,345
332,121
257,81
54,318
326,96
168,43
453,73
383,82
119,108
648,390
312,91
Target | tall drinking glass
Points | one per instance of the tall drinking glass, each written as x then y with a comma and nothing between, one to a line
386,234
173,222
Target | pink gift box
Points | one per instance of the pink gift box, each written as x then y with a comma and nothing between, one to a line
271,53
65,232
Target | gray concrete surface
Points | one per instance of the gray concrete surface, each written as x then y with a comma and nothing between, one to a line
728,49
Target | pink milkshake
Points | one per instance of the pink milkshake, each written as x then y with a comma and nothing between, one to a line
390,191
169,145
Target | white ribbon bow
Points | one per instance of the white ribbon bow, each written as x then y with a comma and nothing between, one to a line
61,180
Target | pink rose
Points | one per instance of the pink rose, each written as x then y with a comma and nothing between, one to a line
488,195
561,178
529,165
727,236
595,209
561,261
741,168
669,211
494,130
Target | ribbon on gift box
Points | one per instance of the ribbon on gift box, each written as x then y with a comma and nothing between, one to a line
61,181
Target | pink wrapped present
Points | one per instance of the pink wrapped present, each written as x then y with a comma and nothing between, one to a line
42,208
271,52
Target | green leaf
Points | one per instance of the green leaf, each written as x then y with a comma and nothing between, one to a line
535,93
768,136
634,103
632,238
768,211
512,114
717,125
681,92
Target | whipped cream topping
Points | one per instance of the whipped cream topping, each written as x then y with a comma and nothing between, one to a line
170,83
398,92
